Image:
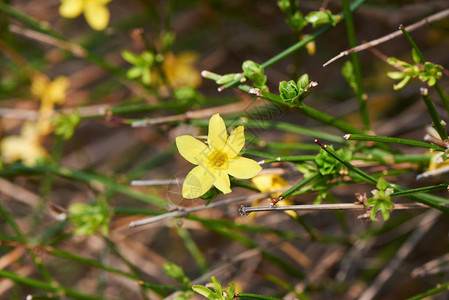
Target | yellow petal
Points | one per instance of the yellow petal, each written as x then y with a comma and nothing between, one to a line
55,92
235,142
217,136
263,182
221,181
243,168
192,149
96,14
71,8
197,182
291,213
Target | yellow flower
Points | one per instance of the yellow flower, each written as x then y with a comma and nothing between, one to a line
215,160
180,70
25,147
269,183
95,11
50,93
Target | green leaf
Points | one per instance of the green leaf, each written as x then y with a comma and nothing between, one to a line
284,6
177,273
396,75
88,218
348,73
226,78
415,56
204,291
134,72
289,91
66,125
297,21
319,18
217,286
402,83
130,57
381,184
303,82
254,72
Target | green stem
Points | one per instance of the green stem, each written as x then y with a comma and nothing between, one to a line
437,124
275,125
328,119
412,42
440,288
425,189
295,47
51,287
299,185
192,247
427,199
385,139
276,158
254,296
22,239
93,180
444,98
356,62
307,111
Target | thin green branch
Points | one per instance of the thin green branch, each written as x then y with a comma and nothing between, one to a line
443,96
427,199
440,288
96,182
437,123
385,139
293,189
295,47
51,287
356,62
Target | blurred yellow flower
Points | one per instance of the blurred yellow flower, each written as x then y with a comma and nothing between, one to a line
180,71
95,11
215,160
269,183
25,147
50,93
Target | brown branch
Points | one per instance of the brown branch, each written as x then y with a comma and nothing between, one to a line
435,17
183,212
313,207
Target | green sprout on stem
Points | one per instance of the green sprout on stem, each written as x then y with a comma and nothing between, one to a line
218,293
319,18
255,72
427,72
293,93
328,165
142,65
381,200
66,125
89,218
294,18
177,273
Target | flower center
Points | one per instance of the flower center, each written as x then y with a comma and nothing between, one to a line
218,159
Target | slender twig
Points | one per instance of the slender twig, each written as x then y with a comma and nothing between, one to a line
292,49
437,123
317,207
302,183
199,114
361,96
386,139
182,212
75,49
443,96
435,17
427,199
